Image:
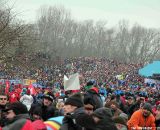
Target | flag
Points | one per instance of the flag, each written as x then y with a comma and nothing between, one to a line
71,83
7,87
32,89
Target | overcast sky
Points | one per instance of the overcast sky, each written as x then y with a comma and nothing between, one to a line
144,12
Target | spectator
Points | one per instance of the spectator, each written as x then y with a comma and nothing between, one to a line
142,118
158,116
113,105
46,107
3,101
89,105
17,117
94,96
73,109
60,106
103,119
120,123
27,99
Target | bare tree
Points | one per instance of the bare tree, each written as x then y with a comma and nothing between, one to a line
61,36
11,30
137,44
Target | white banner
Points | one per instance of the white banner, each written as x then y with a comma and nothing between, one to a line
71,83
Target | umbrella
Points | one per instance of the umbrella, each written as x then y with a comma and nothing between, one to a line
54,123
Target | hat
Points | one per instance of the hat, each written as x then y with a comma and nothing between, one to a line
95,89
75,100
102,113
124,116
17,107
49,96
90,101
119,120
147,106
37,111
130,97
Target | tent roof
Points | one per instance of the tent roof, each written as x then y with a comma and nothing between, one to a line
150,69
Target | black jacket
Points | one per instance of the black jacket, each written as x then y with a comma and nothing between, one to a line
72,121
106,122
2,116
45,112
18,122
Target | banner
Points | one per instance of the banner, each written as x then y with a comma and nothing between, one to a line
15,82
28,81
71,83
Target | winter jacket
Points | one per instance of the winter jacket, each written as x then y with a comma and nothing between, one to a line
20,122
138,120
27,100
39,125
105,125
106,122
2,115
45,112
71,121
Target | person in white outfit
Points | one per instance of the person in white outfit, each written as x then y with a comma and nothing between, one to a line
27,99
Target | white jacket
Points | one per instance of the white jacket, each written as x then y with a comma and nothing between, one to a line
27,100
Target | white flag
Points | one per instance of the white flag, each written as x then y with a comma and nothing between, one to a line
72,83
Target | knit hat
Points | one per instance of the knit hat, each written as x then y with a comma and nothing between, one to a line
147,106
102,113
95,89
75,100
49,96
17,107
119,120
37,111
124,116
90,101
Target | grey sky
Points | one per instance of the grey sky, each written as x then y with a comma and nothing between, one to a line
144,12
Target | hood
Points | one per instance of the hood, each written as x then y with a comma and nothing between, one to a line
94,89
22,116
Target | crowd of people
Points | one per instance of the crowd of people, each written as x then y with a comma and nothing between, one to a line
112,97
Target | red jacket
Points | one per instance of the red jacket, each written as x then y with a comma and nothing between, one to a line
13,97
28,126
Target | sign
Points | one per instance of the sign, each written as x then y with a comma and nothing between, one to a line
71,83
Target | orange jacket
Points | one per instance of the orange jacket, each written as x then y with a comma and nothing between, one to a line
137,120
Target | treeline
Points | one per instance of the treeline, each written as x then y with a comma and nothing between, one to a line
55,34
